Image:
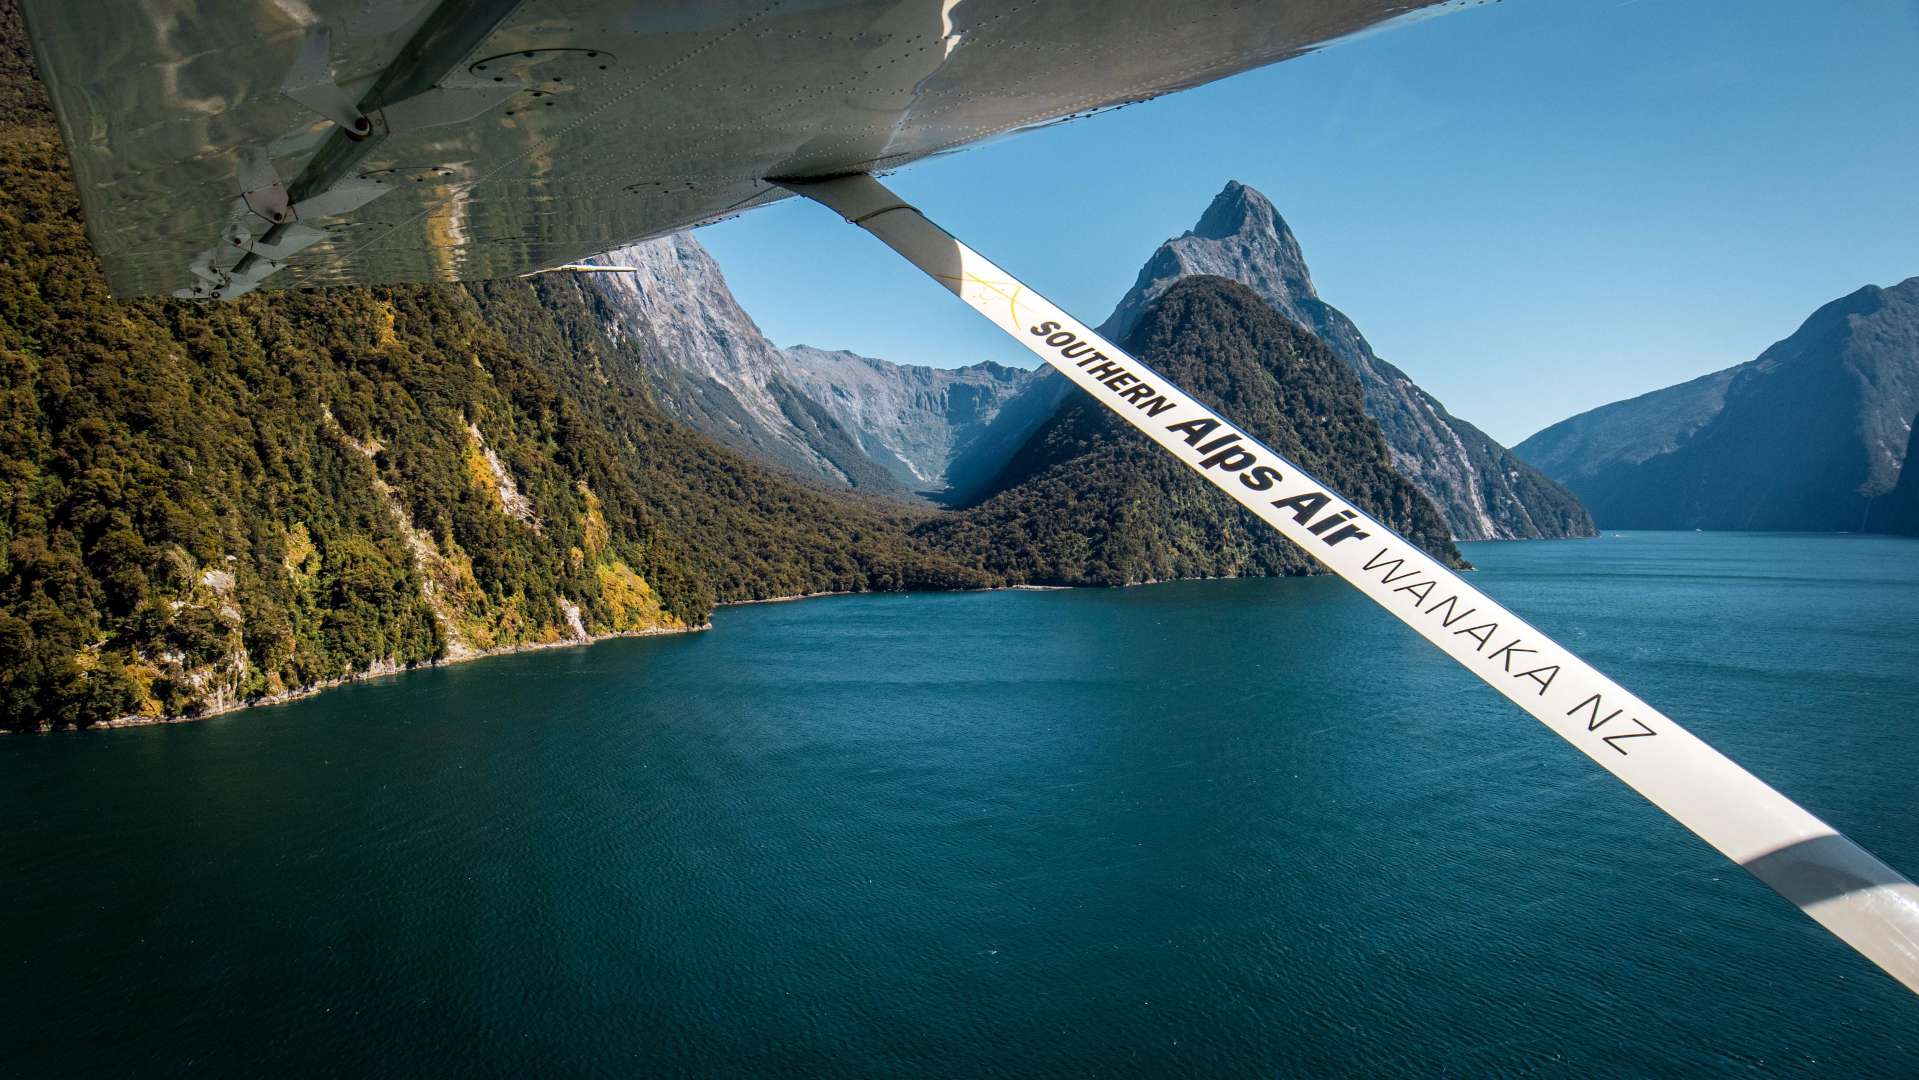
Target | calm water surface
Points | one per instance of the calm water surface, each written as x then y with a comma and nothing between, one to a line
980,835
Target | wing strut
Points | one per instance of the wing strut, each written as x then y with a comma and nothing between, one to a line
1854,895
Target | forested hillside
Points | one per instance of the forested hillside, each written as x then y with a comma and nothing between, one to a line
1090,501
201,506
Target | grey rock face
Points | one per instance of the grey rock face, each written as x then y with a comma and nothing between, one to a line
914,421
1809,436
717,372
1484,491
835,417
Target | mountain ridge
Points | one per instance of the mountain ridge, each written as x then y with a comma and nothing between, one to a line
1804,437
829,416
717,372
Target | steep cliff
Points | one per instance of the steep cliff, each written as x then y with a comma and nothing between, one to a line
715,371
1898,510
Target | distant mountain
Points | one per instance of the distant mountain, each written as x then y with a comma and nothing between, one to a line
1483,490
915,422
1806,437
1625,434
1091,501
851,421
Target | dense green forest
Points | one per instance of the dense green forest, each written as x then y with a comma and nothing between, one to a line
1090,501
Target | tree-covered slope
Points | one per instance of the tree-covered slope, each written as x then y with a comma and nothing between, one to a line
202,506
1089,500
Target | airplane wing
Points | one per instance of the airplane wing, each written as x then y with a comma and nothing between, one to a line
225,145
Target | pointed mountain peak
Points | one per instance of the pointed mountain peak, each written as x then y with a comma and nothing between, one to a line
1242,238
1239,210
1242,220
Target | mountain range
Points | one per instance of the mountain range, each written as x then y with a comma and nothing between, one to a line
831,417
1812,435
720,374
950,434
939,431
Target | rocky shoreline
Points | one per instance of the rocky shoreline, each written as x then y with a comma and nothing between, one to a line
381,671
377,671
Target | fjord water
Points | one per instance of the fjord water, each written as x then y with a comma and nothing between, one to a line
1232,828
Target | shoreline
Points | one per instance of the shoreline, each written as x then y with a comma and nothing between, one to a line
289,696
717,604
286,697
924,592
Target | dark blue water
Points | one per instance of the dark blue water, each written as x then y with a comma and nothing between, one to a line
1235,828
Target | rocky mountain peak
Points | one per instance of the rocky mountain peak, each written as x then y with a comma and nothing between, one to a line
1238,210
716,371
1241,215
1240,237
1481,488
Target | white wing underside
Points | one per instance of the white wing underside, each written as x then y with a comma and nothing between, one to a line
511,135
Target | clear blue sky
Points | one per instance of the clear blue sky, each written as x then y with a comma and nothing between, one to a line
1533,207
